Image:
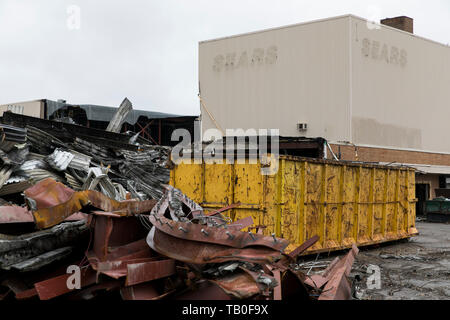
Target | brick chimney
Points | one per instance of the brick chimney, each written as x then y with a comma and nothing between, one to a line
403,23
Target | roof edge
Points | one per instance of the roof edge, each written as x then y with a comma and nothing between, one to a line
277,28
324,20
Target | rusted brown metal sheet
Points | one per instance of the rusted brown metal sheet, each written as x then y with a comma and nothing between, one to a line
111,232
27,294
319,280
135,250
242,223
303,247
13,214
51,202
215,235
239,285
257,277
199,252
231,206
277,293
339,287
148,271
118,268
16,214
57,286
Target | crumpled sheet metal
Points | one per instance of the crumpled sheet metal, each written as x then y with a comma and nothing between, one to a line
117,268
29,247
222,236
303,247
141,272
134,250
338,287
238,285
173,199
16,214
112,232
60,159
201,252
51,202
12,133
36,263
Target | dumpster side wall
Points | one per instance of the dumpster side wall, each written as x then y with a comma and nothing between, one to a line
342,203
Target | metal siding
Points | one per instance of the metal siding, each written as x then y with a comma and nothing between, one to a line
309,82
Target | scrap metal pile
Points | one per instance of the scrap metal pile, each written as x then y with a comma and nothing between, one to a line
146,250
84,216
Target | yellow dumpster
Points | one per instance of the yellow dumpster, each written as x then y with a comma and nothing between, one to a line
341,202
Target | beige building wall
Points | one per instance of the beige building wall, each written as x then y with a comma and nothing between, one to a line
277,78
28,108
370,85
400,89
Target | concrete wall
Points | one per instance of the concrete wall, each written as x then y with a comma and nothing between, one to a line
400,89
29,108
277,78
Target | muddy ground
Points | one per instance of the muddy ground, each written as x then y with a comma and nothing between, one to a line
414,269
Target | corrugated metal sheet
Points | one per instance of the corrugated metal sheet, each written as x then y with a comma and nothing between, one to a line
11,133
115,125
42,141
15,184
60,159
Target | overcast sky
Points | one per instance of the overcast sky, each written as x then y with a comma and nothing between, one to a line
147,50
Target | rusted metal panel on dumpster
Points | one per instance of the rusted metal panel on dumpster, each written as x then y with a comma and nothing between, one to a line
341,202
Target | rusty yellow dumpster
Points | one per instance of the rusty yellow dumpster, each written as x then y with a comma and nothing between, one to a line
341,202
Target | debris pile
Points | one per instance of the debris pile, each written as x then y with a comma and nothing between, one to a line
87,213
30,155
146,250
